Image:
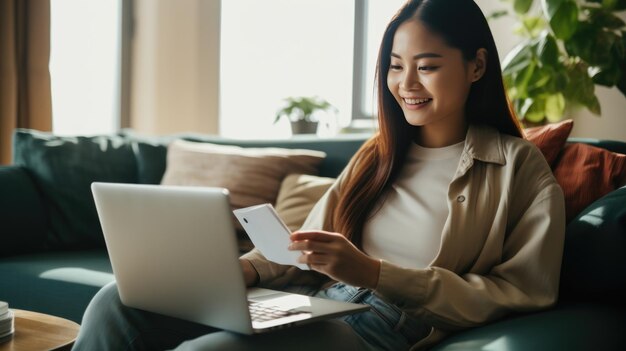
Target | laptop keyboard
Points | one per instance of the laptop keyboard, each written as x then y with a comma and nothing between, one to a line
261,312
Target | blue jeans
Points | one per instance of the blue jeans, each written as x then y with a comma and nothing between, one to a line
384,326
109,325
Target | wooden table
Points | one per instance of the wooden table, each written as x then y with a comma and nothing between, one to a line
37,331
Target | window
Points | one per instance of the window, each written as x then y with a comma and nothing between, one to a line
274,49
84,66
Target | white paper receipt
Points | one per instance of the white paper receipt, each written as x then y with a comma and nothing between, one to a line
269,234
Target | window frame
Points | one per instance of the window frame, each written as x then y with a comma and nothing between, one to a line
359,59
127,33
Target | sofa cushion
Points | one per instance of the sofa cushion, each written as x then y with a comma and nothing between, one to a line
252,175
151,156
297,196
23,219
550,138
579,327
151,151
59,283
63,169
587,173
594,263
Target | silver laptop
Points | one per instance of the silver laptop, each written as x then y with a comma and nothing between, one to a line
174,251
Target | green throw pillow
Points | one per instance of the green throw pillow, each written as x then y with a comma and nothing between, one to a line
22,216
151,154
594,260
63,169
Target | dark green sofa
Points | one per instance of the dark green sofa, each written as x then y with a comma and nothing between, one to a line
53,260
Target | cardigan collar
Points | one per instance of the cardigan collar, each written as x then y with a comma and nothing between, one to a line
484,143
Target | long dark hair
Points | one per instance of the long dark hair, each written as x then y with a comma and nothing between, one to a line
462,25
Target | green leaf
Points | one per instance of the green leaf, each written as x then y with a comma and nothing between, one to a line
559,81
581,43
534,110
614,4
555,106
621,84
550,7
533,25
524,105
603,48
497,14
580,86
508,81
608,75
565,20
619,47
538,80
593,105
594,45
547,50
302,108
522,6
581,89
611,4
518,58
523,78
601,17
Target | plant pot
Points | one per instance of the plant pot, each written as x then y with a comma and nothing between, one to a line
303,127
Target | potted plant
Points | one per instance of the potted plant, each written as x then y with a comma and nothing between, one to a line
301,113
569,46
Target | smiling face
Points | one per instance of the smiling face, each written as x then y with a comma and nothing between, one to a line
431,81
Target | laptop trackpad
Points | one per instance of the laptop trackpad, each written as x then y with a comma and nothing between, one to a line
281,300
286,302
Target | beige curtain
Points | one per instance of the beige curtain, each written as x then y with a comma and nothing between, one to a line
25,96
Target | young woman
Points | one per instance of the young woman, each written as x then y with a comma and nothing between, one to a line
446,219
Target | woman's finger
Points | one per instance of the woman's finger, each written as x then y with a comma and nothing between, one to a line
314,235
309,245
315,259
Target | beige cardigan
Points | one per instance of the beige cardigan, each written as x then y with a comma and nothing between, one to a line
501,245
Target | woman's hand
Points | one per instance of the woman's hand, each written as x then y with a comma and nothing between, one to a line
335,256
250,275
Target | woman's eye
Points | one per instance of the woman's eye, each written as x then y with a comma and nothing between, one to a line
395,67
427,68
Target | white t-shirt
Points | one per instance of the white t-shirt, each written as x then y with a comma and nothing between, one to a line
407,229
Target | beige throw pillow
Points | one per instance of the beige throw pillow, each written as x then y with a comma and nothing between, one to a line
297,196
252,175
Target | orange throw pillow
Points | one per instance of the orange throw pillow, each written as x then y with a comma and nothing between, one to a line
550,138
587,173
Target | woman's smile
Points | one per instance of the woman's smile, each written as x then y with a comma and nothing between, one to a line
416,103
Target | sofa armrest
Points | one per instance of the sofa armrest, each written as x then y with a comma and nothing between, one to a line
565,327
23,220
594,265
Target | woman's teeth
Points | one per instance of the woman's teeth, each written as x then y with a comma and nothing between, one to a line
416,101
